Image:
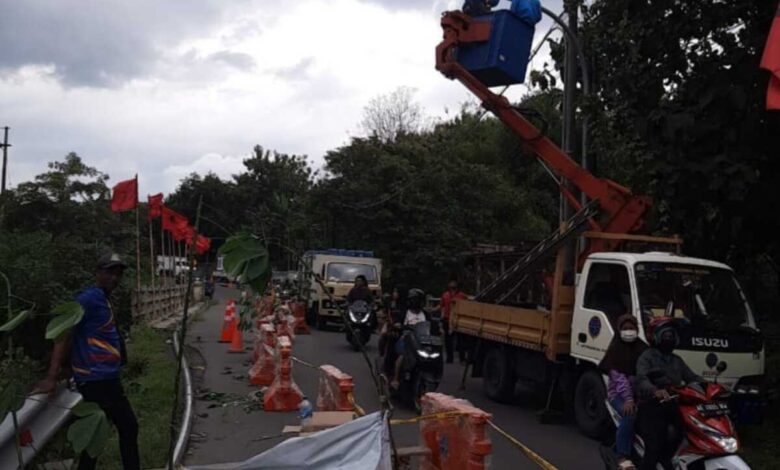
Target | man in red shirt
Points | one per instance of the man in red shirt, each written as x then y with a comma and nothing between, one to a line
451,294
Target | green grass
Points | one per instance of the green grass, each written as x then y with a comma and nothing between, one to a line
148,380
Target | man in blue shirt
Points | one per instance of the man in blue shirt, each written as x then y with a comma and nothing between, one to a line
96,354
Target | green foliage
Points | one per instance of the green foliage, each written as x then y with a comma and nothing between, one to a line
11,324
69,314
679,113
11,398
90,431
246,256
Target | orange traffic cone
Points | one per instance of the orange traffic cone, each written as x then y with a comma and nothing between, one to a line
237,342
227,321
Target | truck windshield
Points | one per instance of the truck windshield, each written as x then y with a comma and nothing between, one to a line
708,297
347,272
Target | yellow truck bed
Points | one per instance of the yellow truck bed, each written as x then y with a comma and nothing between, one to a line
539,330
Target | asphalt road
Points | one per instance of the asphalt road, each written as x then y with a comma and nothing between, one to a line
232,433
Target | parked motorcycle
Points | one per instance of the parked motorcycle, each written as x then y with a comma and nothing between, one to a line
359,315
710,440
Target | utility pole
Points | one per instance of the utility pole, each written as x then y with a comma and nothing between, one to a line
5,157
569,137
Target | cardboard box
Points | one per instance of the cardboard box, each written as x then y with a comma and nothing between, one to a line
328,419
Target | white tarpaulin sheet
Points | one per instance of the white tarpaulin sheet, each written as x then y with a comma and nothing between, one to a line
362,444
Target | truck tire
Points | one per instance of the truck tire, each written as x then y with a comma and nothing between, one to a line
590,410
498,378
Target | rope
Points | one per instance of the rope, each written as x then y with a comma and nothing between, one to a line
304,363
533,456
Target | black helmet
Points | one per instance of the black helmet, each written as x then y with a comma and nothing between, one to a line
415,299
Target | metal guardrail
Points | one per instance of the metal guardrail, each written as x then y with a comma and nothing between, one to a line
42,416
186,419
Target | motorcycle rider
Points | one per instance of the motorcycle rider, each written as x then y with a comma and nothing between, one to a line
657,369
619,363
360,291
414,315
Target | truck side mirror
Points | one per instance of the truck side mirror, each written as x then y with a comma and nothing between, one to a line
721,367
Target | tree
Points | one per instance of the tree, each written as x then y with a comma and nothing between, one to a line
388,116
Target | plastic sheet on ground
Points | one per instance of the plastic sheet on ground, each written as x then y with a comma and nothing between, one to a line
362,444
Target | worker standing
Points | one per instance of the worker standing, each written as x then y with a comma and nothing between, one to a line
452,293
478,7
96,354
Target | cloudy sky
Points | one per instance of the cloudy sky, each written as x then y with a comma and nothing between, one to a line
163,88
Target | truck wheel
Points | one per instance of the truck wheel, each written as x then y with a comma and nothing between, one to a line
322,322
590,410
498,379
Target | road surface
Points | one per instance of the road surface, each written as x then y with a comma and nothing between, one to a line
232,433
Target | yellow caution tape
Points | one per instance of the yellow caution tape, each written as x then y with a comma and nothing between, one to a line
536,458
358,410
417,419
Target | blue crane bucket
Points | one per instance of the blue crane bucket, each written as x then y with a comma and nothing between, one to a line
503,59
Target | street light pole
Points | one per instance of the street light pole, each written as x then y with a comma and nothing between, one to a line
5,158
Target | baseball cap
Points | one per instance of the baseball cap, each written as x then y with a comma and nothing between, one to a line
110,260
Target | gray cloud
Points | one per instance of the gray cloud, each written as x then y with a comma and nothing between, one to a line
298,71
404,4
98,43
238,60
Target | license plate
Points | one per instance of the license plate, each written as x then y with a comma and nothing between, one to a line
713,409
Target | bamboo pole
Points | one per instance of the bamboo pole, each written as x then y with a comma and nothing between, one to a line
137,250
151,264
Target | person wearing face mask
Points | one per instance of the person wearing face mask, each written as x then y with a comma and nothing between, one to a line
619,363
658,369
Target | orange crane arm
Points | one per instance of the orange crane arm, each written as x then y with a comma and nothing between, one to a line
625,211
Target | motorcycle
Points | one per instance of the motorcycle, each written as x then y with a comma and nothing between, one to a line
422,365
359,317
710,440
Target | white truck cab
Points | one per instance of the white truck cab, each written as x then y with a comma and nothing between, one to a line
719,323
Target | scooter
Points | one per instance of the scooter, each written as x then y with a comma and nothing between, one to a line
422,365
710,440
359,317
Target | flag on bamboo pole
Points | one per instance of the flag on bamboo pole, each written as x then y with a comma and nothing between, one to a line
202,244
771,61
174,223
186,234
155,206
125,195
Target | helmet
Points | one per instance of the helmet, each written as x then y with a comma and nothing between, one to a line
660,325
415,299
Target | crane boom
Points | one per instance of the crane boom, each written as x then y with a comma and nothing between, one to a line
624,212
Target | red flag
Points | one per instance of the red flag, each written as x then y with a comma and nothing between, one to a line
125,196
187,234
202,244
175,223
771,61
155,206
